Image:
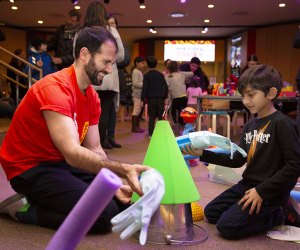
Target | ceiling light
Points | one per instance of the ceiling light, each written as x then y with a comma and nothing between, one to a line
152,30
149,21
182,1
281,5
12,1
177,15
206,20
40,22
205,29
74,2
142,4
14,7
77,7
210,6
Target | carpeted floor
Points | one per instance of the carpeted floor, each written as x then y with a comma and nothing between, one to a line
14,235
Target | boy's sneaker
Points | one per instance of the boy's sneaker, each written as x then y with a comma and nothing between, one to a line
12,205
292,213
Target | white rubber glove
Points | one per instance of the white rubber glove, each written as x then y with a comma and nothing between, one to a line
285,233
138,216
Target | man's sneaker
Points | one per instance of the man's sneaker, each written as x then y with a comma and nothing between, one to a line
292,213
12,205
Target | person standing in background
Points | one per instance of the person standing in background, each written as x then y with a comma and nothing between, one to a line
193,90
195,66
62,40
155,91
137,85
125,97
252,60
109,91
177,88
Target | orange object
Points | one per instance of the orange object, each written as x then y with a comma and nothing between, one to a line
189,115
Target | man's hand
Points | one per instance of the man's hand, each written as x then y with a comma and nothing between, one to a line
132,173
190,150
124,194
252,198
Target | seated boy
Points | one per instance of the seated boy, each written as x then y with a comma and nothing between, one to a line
261,200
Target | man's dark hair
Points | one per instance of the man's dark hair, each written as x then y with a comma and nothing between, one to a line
196,60
92,38
151,62
76,13
260,77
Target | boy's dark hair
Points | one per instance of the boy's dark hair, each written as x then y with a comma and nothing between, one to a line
151,62
260,77
76,13
92,38
37,42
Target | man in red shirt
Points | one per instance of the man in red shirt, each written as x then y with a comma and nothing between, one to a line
52,150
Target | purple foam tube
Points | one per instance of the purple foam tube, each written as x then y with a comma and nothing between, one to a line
86,211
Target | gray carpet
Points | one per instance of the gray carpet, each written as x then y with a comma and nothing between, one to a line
14,235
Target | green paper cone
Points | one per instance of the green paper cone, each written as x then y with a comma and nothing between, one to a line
164,155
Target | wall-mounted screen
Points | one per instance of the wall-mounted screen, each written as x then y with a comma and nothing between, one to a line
184,50
235,56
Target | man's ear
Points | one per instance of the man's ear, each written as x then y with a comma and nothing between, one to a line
85,54
272,93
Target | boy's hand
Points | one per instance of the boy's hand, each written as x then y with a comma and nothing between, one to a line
253,198
190,150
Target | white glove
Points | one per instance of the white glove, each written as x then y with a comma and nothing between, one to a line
285,233
138,216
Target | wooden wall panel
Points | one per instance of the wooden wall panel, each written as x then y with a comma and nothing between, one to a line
274,47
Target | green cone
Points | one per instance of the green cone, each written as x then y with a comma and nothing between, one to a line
163,154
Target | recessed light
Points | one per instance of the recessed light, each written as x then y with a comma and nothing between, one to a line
142,6
281,5
77,7
40,21
206,21
14,7
210,6
12,1
177,15
149,21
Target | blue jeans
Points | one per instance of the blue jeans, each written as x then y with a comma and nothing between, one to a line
234,223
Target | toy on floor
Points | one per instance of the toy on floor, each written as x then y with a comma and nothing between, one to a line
197,211
189,116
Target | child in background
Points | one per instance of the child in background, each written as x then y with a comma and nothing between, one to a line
193,90
155,91
261,200
38,56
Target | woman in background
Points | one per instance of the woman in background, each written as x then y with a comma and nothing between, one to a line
108,92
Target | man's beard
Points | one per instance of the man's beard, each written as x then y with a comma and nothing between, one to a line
93,73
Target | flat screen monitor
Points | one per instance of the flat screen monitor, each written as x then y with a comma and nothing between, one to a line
184,50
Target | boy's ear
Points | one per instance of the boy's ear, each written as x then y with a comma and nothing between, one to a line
272,93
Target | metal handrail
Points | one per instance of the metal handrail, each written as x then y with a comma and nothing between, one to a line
31,66
19,73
